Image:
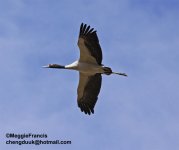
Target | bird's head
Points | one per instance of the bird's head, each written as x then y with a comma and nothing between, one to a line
54,66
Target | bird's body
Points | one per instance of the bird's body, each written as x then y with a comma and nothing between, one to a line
90,69
86,68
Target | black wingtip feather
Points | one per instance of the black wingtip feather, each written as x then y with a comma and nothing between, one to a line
87,29
86,108
81,27
84,29
90,31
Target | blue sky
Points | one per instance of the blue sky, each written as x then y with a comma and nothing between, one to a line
138,37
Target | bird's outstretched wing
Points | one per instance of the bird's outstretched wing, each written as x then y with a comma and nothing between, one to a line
88,90
90,50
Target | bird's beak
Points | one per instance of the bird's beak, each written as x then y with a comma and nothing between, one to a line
45,66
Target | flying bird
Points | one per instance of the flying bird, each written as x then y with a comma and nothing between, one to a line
90,69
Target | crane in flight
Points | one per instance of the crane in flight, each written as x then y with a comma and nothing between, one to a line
90,68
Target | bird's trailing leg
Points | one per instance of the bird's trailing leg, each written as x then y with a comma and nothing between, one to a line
118,73
109,71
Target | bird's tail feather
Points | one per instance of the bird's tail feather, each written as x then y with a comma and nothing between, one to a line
107,70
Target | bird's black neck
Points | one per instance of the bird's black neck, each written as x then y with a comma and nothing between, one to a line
56,66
